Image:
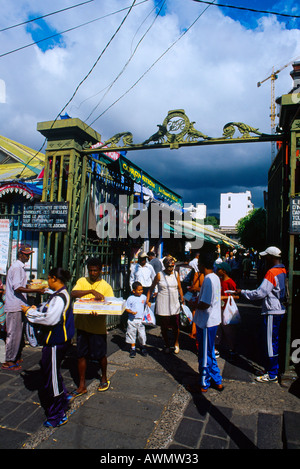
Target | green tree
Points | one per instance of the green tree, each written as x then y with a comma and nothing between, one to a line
252,229
211,220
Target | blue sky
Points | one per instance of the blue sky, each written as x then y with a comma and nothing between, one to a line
251,19
40,29
211,72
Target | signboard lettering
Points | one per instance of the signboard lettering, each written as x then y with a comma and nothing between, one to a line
295,215
46,216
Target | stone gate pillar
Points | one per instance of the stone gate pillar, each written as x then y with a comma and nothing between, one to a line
65,180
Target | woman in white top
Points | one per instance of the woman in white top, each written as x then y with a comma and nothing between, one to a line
167,301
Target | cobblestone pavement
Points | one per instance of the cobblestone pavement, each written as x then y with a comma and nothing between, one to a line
148,405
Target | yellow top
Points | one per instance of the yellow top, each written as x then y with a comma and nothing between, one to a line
87,322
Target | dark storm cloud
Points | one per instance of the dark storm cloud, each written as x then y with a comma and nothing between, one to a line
201,174
211,73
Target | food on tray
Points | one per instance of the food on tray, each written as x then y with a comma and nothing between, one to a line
38,284
89,300
106,306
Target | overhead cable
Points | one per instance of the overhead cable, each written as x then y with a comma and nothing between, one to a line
153,64
45,16
68,30
248,9
84,79
131,56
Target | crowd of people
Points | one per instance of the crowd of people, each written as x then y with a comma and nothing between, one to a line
204,283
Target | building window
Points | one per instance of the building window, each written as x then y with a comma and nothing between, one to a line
229,205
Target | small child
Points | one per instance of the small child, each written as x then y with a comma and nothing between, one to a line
135,306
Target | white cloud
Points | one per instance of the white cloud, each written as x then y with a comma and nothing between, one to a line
211,73
52,62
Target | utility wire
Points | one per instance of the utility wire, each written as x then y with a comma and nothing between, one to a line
130,58
99,57
248,9
68,30
109,85
83,80
153,64
45,16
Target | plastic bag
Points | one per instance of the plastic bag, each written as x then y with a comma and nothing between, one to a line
185,315
30,335
35,333
189,296
149,317
231,313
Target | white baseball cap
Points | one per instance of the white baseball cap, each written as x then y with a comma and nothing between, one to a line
272,251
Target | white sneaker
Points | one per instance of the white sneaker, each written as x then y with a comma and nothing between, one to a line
266,379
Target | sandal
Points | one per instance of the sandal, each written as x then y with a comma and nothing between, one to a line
75,394
14,367
104,386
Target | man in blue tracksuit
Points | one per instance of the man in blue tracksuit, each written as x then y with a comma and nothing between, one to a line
272,292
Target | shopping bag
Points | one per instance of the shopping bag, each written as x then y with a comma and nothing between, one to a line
149,317
30,335
185,315
188,296
231,313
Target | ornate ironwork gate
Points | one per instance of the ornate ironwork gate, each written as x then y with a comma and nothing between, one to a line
72,175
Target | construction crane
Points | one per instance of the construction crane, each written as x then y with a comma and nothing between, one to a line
273,77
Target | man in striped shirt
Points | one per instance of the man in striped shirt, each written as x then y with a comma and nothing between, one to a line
272,292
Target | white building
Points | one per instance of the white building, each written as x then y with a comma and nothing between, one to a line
234,206
198,212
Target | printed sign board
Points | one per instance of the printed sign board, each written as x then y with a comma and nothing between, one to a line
46,216
4,244
295,215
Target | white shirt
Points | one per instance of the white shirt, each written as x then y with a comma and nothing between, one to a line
210,294
143,274
16,278
137,305
53,313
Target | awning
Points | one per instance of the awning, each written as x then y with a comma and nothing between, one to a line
28,190
19,159
142,178
187,233
194,229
